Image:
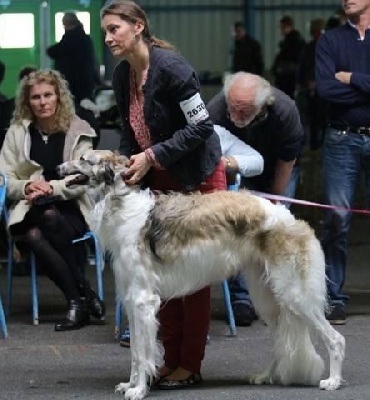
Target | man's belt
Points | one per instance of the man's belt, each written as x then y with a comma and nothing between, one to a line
362,130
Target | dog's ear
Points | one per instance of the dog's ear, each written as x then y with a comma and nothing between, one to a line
108,174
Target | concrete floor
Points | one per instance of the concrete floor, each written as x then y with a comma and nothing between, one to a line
38,363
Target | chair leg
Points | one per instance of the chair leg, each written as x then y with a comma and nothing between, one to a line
34,291
3,321
99,262
98,267
118,319
229,309
9,277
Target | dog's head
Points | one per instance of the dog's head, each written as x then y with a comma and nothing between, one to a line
95,168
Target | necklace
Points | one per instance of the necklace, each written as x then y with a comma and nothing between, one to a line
44,137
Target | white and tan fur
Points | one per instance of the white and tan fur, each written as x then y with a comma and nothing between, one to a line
166,246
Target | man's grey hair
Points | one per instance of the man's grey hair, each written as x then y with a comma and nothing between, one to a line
262,87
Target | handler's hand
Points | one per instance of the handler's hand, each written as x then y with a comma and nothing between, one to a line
139,166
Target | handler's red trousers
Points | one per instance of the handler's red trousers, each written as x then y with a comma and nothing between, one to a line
184,322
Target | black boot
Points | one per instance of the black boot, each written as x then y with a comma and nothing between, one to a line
76,318
94,305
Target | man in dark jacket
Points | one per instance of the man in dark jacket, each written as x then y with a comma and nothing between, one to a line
312,107
286,61
75,58
247,52
268,120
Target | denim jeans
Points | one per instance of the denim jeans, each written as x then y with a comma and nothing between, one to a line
238,286
345,156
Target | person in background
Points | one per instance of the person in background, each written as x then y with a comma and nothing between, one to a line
46,215
268,120
312,106
337,19
6,112
343,80
237,156
5,108
247,52
2,75
74,57
284,68
170,141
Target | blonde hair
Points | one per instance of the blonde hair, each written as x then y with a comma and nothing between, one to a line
131,12
65,110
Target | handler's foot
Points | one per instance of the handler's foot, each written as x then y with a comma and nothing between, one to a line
179,379
164,371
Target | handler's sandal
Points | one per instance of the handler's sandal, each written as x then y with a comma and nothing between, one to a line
169,384
124,339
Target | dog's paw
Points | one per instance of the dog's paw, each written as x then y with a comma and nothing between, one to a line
260,379
136,393
122,387
330,383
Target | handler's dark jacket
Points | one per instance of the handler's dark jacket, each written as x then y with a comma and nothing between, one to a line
189,152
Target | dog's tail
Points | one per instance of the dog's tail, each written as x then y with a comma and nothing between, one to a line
297,361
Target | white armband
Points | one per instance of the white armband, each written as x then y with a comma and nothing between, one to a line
194,109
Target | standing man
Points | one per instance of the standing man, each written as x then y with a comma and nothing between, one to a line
268,120
313,107
74,58
343,79
247,52
286,61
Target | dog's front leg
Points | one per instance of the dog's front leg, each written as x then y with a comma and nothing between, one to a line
124,386
143,343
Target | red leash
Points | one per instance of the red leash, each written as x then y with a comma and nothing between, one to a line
306,203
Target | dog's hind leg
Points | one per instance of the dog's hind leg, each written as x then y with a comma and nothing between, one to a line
282,304
267,309
335,344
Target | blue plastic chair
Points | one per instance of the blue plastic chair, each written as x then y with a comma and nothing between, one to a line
34,286
98,256
225,284
225,288
3,184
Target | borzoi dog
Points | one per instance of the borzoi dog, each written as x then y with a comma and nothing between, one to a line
166,246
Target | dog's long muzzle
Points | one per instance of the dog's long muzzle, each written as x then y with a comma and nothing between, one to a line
80,179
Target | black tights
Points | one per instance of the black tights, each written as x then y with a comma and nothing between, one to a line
47,233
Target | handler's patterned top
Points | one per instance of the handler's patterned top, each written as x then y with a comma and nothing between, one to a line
137,120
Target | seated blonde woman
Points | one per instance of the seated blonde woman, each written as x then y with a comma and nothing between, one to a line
45,215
